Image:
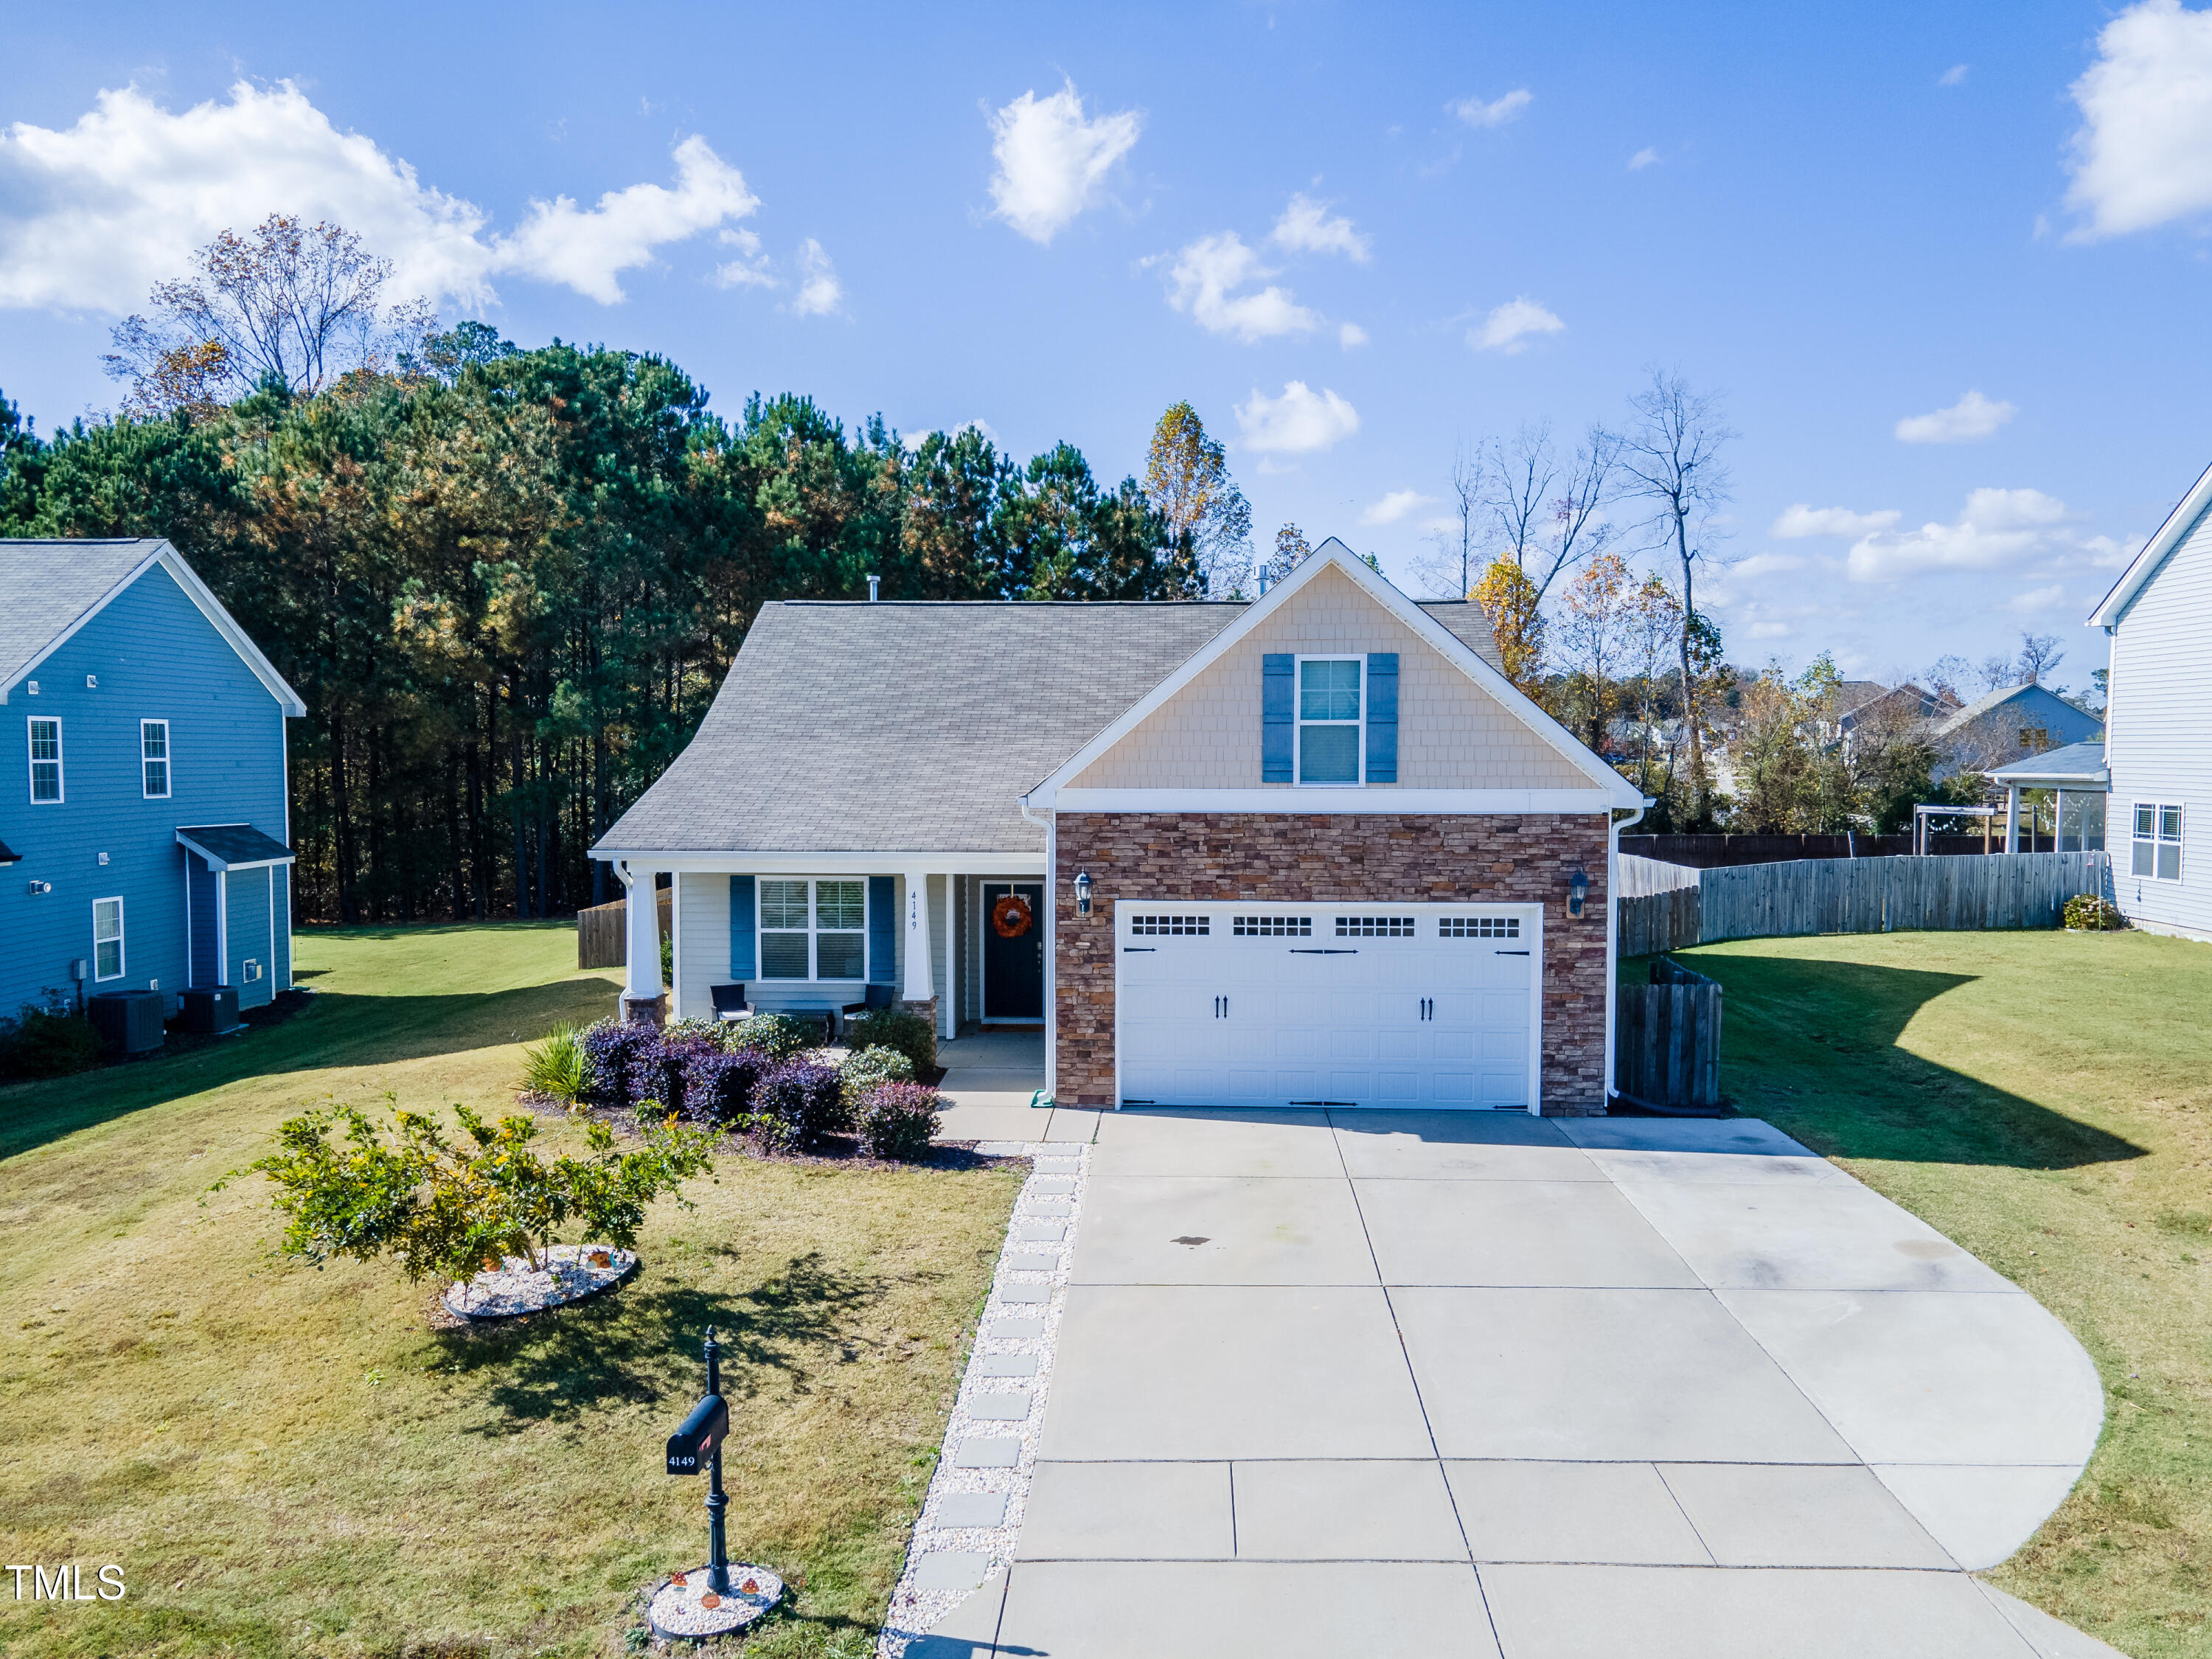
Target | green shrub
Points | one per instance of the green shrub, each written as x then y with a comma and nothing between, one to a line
902,1029
865,1067
667,960
897,1120
48,1039
556,1067
446,1208
716,1032
779,1037
2088,913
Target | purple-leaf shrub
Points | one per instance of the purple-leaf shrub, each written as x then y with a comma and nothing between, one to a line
795,1105
612,1052
718,1087
898,1120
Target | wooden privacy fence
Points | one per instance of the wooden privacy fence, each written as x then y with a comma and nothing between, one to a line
1853,896
1667,1040
603,932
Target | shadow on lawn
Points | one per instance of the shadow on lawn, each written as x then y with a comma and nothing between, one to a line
641,1345
338,1028
1813,1045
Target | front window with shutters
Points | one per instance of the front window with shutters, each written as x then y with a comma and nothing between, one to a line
2157,842
814,930
45,760
1328,719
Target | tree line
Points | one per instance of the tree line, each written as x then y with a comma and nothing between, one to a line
507,583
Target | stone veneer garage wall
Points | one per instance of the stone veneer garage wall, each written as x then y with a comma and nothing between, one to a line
1281,859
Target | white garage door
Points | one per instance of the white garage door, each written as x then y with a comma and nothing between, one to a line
1343,1005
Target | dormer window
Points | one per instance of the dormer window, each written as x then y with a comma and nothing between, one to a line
1329,725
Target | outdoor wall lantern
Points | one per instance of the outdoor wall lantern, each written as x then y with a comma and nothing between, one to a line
1082,892
1577,890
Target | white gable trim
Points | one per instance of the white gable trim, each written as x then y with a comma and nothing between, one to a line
1335,799
203,597
2138,576
1334,555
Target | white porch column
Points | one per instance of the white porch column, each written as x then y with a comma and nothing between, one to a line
2012,817
952,964
642,998
918,986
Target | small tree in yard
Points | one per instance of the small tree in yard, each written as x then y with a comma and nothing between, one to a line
448,1208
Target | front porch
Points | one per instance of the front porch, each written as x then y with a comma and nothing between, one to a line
961,942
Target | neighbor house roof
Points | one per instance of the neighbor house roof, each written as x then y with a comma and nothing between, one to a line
49,589
916,726
233,845
2145,564
2076,764
8,856
1973,711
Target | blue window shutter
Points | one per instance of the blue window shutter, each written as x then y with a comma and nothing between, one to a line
883,931
1382,717
743,891
1278,725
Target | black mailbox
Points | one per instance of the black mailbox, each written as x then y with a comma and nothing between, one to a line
691,1445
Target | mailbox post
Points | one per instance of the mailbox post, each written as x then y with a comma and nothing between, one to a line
699,1439
725,1602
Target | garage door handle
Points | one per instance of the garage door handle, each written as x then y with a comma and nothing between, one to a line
1131,949
1512,953
1299,951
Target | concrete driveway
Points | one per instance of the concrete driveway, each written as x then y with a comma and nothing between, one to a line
1489,1385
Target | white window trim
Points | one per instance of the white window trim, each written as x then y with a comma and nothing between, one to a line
122,962
1298,721
813,931
168,762
2155,840
61,755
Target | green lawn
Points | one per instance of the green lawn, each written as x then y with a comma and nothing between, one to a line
2045,1100
287,1462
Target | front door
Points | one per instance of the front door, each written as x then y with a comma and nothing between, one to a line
1013,950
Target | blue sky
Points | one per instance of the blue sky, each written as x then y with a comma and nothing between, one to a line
1352,239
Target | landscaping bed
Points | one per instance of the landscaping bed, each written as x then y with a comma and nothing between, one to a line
292,1462
2044,1099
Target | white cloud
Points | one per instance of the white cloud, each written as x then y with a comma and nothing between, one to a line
1766,565
93,215
1306,227
587,248
750,268
1205,271
1395,506
1643,158
2142,155
1508,326
1951,76
1299,422
820,293
1803,520
1349,334
1495,113
1972,417
1053,160
2037,598
1997,527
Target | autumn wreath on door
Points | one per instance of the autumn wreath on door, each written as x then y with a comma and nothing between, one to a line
1010,916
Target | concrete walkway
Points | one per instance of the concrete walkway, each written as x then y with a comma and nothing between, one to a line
1489,1385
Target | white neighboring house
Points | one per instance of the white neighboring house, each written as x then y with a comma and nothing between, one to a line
2158,724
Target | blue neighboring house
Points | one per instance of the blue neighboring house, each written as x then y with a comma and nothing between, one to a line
144,820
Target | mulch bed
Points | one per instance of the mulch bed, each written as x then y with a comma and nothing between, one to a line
842,1152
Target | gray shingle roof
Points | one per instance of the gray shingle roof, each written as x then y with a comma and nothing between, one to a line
233,843
2076,761
916,727
46,586
1981,706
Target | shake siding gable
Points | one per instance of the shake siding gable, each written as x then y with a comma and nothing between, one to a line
156,656
1451,733
2159,745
